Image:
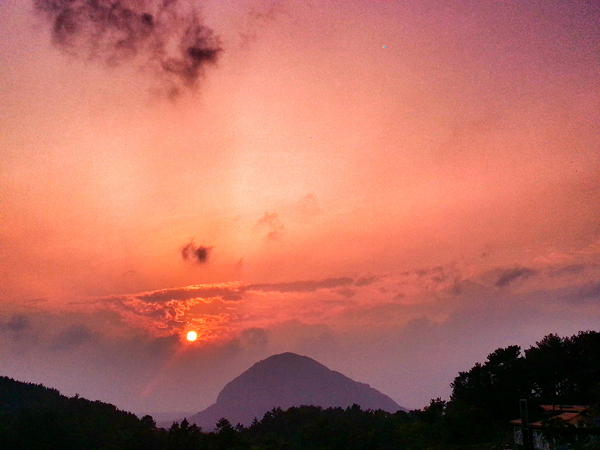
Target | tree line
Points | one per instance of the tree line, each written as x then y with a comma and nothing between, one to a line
554,371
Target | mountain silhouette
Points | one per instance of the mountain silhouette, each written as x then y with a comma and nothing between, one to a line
287,380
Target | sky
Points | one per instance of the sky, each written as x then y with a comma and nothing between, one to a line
392,188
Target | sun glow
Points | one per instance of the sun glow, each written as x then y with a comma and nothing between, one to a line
192,336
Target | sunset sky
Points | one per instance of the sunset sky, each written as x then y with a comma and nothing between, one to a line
392,188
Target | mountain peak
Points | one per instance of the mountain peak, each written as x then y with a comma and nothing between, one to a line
287,380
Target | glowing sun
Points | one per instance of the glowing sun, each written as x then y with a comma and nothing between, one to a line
192,336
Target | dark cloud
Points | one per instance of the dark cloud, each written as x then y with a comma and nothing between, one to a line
430,271
381,312
18,328
509,276
301,286
162,345
364,281
571,269
194,253
588,293
165,36
346,292
72,337
232,295
17,323
254,337
233,292
239,264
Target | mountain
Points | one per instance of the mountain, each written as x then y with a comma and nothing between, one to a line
284,381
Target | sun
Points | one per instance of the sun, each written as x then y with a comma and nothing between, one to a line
192,336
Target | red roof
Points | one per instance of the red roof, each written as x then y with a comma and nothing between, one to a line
564,408
568,413
573,418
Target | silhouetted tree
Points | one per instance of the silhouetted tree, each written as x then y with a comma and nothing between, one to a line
185,437
227,437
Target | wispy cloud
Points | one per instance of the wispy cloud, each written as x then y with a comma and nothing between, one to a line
273,224
301,286
224,310
217,310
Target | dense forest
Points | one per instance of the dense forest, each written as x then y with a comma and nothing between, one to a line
554,371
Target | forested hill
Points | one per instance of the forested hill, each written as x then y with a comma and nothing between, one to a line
34,416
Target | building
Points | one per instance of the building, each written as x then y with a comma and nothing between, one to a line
560,428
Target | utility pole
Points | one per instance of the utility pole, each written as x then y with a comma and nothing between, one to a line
525,430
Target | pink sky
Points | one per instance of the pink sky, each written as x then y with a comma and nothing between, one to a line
395,189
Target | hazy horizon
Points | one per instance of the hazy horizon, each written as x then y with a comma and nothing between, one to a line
394,189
